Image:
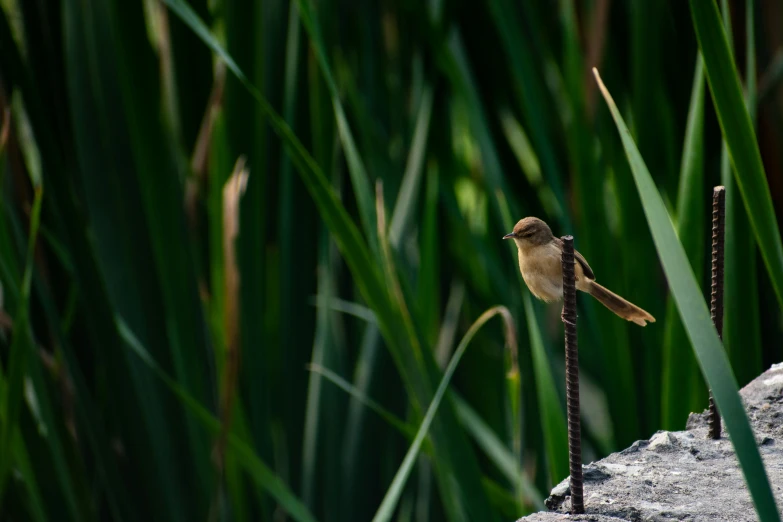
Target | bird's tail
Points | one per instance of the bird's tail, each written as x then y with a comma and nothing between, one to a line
618,305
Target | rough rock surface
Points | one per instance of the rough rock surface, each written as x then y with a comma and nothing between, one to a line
682,475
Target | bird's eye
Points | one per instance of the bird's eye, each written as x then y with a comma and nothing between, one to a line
526,234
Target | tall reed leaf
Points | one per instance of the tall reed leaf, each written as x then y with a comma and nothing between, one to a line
696,319
740,138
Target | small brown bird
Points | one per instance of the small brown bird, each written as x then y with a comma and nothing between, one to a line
541,266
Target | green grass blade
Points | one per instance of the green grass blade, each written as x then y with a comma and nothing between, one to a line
411,180
679,365
751,94
346,307
392,497
316,429
740,138
696,319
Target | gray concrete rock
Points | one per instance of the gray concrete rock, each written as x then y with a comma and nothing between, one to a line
682,475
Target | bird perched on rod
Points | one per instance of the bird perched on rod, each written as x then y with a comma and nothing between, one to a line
541,266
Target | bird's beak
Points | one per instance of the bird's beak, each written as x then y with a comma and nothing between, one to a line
509,236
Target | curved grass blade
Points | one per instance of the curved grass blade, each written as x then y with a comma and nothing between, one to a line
346,307
696,319
740,138
389,503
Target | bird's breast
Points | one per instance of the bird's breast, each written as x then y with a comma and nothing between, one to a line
542,271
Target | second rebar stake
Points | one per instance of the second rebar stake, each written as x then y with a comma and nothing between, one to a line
716,300
572,376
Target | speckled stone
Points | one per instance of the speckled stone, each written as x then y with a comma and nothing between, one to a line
682,475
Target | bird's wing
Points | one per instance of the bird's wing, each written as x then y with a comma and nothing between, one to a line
585,267
579,259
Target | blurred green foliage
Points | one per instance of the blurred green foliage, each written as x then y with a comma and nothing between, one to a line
388,146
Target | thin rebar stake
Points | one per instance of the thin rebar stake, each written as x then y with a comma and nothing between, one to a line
716,300
572,376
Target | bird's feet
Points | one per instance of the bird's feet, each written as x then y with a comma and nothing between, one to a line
564,319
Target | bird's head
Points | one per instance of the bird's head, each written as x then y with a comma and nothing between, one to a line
530,231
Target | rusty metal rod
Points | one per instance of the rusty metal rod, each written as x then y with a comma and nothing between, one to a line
716,300
572,377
